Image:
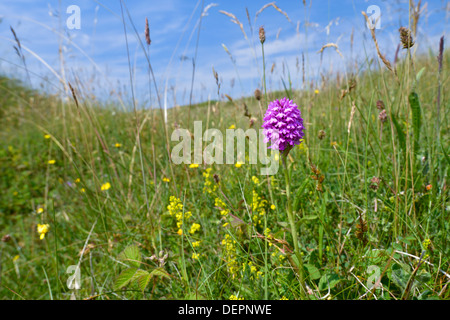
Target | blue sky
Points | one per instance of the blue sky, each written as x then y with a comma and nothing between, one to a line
97,53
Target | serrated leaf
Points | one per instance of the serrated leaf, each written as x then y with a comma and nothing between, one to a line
143,281
159,272
314,273
127,276
131,255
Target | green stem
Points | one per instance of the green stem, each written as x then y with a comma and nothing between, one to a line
293,228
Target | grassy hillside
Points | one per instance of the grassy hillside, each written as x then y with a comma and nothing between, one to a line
370,198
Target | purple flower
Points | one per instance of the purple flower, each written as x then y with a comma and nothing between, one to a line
283,125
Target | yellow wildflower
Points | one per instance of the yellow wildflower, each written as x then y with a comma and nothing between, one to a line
232,127
193,165
316,91
51,161
118,145
194,228
233,297
105,186
255,180
16,258
196,244
166,179
39,210
272,207
77,180
42,229
284,298
180,232
238,164
195,256
83,190
47,136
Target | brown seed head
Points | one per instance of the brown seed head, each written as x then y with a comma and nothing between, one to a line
262,35
383,116
441,51
258,94
147,32
406,38
216,178
375,182
6,238
380,105
321,134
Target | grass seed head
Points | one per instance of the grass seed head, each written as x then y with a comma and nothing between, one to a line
406,38
262,35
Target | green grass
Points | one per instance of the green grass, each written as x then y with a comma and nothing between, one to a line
350,229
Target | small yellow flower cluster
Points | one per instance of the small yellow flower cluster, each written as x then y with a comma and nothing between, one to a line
302,146
194,228
219,203
426,243
255,180
278,258
253,270
233,297
42,229
176,209
196,244
209,186
193,165
258,208
105,186
166,179
195,256
239,164
284,298
230,255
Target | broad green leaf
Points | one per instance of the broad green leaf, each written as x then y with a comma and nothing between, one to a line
131,255
328,280
127,276
143,281
159,272
314,273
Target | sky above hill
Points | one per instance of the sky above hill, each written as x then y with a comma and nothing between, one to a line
97,57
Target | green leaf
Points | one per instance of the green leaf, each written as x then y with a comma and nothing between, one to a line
400,274
328,280
127,276
419,74
159,272
310,217
314,273
131,255
400,133
143,281
416,118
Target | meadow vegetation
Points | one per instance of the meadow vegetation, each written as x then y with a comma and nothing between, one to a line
90,184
